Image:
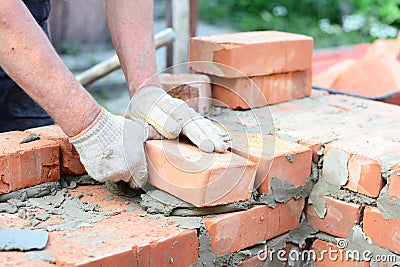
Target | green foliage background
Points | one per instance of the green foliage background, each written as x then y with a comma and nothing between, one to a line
331,23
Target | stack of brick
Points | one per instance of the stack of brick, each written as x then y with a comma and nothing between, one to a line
194,89
36,156
373,75
254,69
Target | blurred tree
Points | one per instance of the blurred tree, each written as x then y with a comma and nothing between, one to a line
324,20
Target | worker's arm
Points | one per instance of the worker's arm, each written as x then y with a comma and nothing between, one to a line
131,29
30,60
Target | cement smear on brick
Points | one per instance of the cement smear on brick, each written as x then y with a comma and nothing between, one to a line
360,247
40,256
31,192
73,212
297,236
322,188
206,257
335,167
359,241
388,208
282,192
300,234
160,202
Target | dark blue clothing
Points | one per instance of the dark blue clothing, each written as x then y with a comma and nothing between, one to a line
17,110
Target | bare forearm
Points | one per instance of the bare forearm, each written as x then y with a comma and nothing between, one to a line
30,60
131,29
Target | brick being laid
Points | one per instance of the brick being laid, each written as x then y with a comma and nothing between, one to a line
258,91
239,230
27,164
69,157
251,53
202,179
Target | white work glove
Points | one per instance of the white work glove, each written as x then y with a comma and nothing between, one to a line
171,116
112,148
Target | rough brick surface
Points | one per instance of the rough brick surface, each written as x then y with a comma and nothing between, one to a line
383,232
70,162
357,163
253,262
195,89
340,217
251,53
28,164
276,158
328,254
202,179
239,230
244,93
394,182
123,238
323,119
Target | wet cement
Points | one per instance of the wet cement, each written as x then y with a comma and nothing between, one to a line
31,192
73,212
322,188
160,202
388,208
32,137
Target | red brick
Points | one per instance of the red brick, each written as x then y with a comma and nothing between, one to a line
251,53
239,230
327,77
202,179
383,232
315,148
12,259
195,89
126,238
28,164
285,160
394,182
338,256
70,161
340,217
374,75
253,262
363,169
258,91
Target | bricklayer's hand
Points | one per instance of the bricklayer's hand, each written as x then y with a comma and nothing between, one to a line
171,116
112,149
